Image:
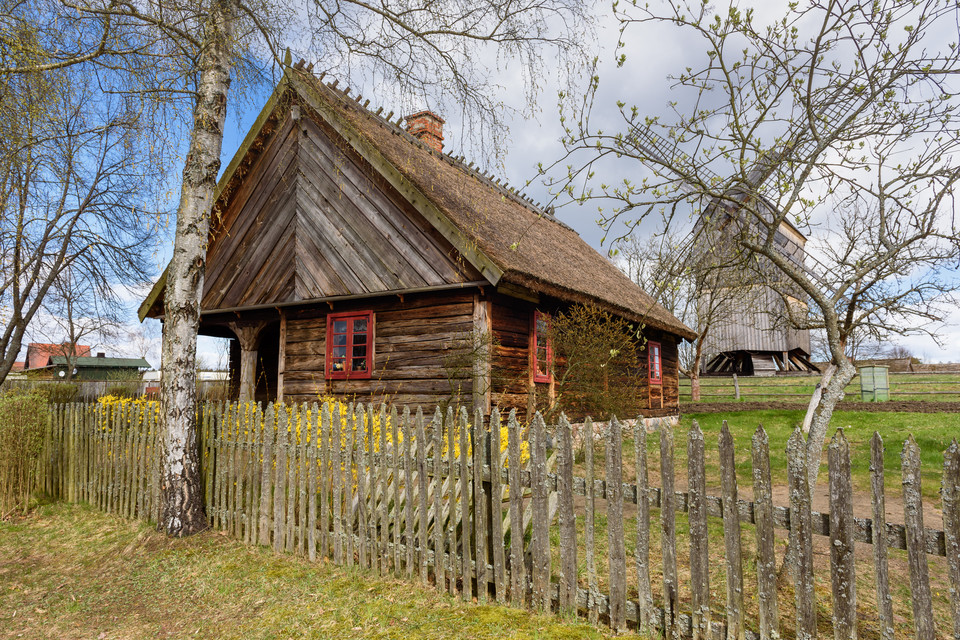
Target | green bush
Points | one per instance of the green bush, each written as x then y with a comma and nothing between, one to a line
59,392
598,365
122,391
22,420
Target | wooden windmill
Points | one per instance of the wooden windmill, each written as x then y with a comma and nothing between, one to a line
756,331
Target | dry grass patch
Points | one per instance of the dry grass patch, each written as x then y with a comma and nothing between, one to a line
69,571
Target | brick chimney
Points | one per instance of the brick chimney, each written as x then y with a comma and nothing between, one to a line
428,127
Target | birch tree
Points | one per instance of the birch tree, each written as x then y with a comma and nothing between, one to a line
166,51
839,117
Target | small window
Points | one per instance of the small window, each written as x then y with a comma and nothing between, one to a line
543,350
349,345
655,363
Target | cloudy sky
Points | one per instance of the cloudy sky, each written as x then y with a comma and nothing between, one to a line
652,54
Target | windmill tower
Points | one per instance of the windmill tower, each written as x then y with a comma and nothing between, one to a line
755,332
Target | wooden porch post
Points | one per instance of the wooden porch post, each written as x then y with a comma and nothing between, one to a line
249,338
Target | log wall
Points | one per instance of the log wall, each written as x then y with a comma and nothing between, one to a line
415,340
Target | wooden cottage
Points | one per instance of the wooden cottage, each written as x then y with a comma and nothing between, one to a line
350,256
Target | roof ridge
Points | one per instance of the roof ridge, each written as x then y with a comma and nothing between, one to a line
487,178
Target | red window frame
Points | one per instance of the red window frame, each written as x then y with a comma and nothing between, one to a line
542,373
655,362
348,358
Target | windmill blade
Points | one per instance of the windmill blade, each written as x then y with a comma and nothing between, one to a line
663,152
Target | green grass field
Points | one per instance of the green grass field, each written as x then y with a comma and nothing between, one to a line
903,387
69,571
933,433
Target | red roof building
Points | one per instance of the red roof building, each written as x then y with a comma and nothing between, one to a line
39,353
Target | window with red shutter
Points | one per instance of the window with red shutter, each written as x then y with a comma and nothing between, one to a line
349,345
654,362
542,349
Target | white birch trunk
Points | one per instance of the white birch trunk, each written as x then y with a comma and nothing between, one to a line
182,513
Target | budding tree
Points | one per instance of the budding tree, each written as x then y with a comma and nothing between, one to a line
838,117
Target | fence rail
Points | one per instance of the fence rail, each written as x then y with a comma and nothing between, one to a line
903,386
510,513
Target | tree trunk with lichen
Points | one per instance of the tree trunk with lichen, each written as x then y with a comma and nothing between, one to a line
183,510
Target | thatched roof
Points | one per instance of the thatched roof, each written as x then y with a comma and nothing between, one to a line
506,236
530,247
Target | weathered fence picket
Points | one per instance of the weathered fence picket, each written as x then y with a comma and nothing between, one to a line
370,485
668,534
731,536
593,587
768,609
916,555
699,550
801,537
645,608
567,517
950,494
617,553
496,510
842,571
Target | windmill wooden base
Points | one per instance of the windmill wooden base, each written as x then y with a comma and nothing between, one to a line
760,363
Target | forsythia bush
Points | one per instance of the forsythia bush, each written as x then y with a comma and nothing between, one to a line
22,420
240,424
134,412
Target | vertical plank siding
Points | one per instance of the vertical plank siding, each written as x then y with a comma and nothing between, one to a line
454,504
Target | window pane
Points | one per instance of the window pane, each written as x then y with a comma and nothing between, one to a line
359,364
339,352
359,338
360,325
360,351
339,326
339,338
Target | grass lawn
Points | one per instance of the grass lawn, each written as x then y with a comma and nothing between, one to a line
943,387
932,431
69,571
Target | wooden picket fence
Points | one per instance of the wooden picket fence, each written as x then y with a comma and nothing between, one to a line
440,500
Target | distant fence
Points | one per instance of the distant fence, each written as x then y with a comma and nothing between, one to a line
410,496
930,387
90,390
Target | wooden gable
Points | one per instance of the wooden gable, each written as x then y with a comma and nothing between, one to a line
310,218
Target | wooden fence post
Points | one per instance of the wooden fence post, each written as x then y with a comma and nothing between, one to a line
950,494
518,577
465,507
568,521
439,537
668,537
496,510
452,544
480,514
916,543
616,550
409,491
645,610
424,515
731,536
593,588
540,535
879,539
766,556
699,551
801,536
336,477
842,562
266,476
